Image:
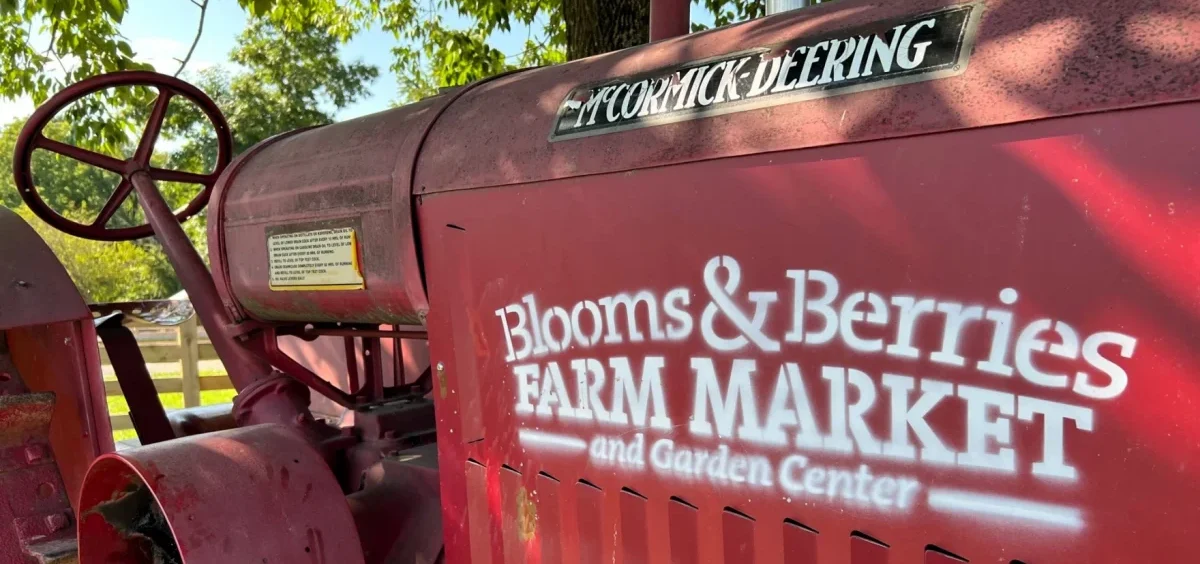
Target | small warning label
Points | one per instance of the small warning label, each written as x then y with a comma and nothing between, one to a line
325,259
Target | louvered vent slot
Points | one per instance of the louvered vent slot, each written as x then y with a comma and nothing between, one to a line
478,516
865,549
517,518
549,518
590,515
683,521
799,543
738,534
635,542
938,555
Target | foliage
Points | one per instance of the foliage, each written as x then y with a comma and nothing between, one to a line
726,12
292,79
83,41
431,55
108,272
102,271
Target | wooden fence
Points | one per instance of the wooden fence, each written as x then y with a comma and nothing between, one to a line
185,344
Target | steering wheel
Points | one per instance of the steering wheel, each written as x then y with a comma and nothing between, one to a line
31,139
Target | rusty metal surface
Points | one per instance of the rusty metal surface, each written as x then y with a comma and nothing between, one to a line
1087,223
1033,60
244,367
255,494
36,521
347,171
218,258
51,341
34,286
398,510
356,174
62,358
326,357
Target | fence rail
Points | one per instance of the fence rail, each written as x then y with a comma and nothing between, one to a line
185,344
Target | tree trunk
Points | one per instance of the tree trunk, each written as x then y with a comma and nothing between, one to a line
600,26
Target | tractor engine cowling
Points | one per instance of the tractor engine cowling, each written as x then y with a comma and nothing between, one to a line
902,281
324,201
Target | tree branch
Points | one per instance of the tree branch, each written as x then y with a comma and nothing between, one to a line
53,37
203,5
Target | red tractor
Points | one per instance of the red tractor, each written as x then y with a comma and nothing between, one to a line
863,283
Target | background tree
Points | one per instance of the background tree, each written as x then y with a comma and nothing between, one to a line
290,76
599,26
428,54
103,271
288,80
293,79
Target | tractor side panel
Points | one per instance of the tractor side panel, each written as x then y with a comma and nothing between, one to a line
965,346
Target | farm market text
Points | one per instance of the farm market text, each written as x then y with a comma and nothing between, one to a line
761,418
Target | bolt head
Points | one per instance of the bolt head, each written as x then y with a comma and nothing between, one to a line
35,454
57,521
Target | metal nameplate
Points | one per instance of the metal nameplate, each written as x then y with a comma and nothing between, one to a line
880,55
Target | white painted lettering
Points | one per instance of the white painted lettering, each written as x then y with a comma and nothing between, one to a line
1118,379
905,417
848,316
839,52
981,428
1053,463
648,393
612,305
764,76
1002,320
957,317
527,386
725,406
909,60
1028,343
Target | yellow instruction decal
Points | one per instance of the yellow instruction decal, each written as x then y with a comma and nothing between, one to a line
325,259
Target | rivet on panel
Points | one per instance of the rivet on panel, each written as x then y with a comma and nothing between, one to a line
56,522
34,454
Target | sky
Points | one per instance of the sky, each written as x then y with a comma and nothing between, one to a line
160,31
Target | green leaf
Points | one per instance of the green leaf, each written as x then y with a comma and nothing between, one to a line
261,7
114,8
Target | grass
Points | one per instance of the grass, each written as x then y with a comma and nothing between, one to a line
118,406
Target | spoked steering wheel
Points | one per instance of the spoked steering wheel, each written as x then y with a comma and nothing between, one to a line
31,139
